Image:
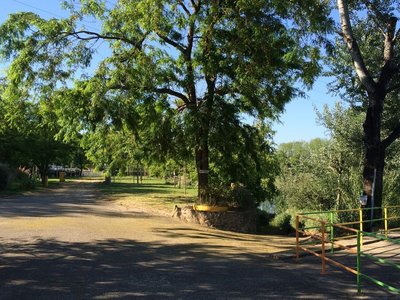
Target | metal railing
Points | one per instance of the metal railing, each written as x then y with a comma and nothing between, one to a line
322,233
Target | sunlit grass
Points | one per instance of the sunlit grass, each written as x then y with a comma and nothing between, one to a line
152,192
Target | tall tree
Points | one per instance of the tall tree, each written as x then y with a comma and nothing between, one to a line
210,60
369,31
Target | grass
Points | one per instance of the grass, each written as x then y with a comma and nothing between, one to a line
151,192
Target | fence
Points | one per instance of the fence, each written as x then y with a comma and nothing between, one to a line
321,233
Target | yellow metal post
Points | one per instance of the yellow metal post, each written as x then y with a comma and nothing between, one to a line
361,227
323,248
386,221
62,176
297,238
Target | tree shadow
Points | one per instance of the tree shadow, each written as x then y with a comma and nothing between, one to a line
70,199
124,269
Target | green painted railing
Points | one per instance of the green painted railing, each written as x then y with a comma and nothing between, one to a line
360,253
332,215
327,225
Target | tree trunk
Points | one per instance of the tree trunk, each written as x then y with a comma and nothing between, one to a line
137,174
202,164
44,174
107,179
374,159
374,190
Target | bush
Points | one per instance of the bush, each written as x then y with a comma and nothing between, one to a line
237,197
4,176
242,198
282,223
24,181
263,220
215,195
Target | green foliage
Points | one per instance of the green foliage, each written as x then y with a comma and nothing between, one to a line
27,134
263,219
365,64
391,195
236,197
21,180
15,179
327,174
4,176
179,79
283,223
322,174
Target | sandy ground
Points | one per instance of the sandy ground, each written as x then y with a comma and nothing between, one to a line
72,243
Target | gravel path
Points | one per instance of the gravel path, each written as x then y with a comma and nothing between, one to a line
71,243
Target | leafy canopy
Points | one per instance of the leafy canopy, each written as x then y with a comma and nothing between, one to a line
181,75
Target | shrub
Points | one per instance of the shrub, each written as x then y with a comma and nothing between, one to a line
24,181
215,195
237,197
282,223
263,220
242,198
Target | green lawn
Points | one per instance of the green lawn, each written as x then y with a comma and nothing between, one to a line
152,192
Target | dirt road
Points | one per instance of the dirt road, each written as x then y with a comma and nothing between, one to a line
71,243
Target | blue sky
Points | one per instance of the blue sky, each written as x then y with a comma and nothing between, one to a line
298,121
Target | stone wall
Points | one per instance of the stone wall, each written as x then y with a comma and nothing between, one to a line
238,221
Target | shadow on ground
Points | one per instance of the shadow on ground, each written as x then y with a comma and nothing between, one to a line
75,198
123,269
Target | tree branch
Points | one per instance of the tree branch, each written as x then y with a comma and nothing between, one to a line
224,90
171,92
194,4
167,91
396,36
172,43
387,72
370,6
390,68
96,36
378,15
184,8
395,134
358,61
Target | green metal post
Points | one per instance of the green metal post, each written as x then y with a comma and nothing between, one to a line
332,232
361,226
359,261
386,221
297,237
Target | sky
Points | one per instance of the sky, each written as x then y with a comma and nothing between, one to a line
297,123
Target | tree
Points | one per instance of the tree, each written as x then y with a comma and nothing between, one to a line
211,61
322,174
370,34
27,135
